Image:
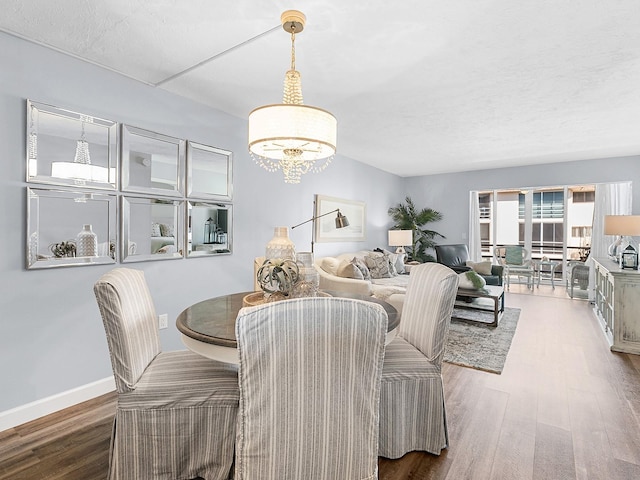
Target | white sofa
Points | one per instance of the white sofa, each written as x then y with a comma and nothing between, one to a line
391,290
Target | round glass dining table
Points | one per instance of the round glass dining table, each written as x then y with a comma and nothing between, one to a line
209,327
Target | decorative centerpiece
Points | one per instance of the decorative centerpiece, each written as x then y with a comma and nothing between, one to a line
277,277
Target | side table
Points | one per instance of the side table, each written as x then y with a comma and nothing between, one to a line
545,267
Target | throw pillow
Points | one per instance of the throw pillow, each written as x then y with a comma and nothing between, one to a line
362,266
167,230
397,259
392,264
155,230
378,265
347,269
483,268
471,280
330,265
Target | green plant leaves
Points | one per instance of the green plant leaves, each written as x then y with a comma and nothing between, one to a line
407,217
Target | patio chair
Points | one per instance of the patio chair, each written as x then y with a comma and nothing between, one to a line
516,262
577,282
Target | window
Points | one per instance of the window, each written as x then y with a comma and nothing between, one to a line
485,233
581,232
547,204
557,220
484,199
584,197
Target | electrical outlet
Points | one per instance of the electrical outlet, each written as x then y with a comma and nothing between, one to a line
163,320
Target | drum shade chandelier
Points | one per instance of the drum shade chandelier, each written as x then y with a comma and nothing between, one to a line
292,136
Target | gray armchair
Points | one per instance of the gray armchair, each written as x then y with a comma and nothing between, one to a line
456,256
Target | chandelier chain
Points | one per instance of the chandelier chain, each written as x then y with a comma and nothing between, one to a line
293,47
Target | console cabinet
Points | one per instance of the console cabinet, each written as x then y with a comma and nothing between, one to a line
617,305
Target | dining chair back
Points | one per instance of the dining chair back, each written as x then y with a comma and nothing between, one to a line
309,389
412,409
176,411
131,327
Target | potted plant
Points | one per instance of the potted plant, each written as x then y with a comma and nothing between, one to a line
277,276
407,217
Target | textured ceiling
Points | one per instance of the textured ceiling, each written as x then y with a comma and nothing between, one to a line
418,87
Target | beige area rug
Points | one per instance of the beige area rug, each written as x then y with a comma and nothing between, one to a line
481,347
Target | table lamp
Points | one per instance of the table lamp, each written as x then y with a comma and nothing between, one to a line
624,249
400,239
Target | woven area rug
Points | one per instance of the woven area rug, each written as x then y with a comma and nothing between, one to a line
481,347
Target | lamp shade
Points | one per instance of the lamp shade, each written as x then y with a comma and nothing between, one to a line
627,225
277,129
400,238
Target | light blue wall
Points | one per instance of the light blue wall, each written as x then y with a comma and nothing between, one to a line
449,193
51,335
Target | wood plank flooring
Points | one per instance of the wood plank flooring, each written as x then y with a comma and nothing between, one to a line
565,407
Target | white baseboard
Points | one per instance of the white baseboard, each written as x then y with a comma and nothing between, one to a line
40,408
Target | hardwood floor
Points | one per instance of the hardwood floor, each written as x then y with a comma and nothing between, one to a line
565,407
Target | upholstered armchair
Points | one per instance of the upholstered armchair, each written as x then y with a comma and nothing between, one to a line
412,408
176,411
309,389
456,257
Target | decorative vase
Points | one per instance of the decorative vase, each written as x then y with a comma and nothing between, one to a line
308,278
281,246
86,242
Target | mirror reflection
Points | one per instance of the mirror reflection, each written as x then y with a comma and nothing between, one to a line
209,172
151,162
209,229
66,228
151,229
70,148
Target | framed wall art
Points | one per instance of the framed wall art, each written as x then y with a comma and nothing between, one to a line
325,227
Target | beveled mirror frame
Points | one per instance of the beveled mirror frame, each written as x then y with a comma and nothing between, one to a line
131,251
209,172
52,137
59,232
199,226
134,161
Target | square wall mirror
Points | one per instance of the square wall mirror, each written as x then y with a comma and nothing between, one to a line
70,148
209,229
70,228
152,162
209,172
152,229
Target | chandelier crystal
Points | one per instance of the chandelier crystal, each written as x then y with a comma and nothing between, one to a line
291,136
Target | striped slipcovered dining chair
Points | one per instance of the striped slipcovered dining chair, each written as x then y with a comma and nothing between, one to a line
309,389
412,410
176,411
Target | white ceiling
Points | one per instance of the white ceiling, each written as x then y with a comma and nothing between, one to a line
418,86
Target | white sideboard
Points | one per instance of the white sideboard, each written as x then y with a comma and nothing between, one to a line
618,305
